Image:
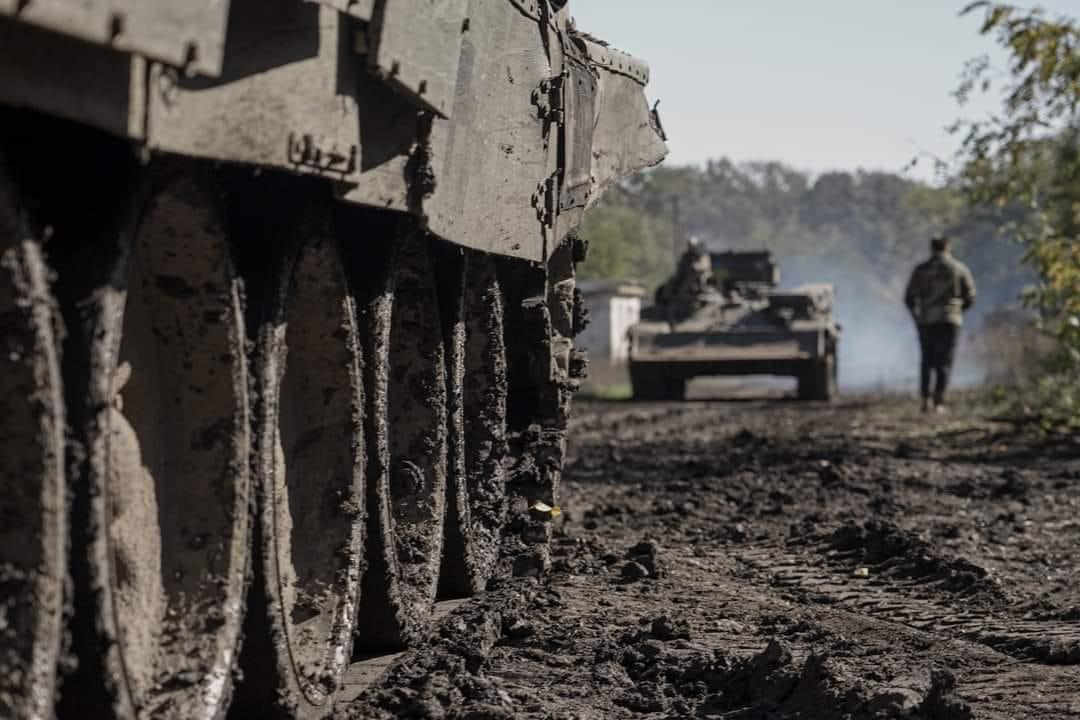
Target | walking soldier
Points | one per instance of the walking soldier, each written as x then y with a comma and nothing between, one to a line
940,290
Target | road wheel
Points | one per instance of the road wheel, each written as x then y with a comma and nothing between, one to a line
476,362
406,428
649,383
309,460
157,373
818,379
645,384
33,522
674,389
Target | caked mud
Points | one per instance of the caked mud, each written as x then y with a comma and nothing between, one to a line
768,559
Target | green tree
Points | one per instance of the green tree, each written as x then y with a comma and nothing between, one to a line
627,244
1025,160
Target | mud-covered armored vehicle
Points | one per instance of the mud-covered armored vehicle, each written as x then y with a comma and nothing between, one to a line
286,317
739,324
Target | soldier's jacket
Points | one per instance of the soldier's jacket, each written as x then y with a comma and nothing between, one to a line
940,290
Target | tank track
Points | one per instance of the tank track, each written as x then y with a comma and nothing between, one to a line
293,428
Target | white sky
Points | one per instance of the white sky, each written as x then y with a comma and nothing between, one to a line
817,84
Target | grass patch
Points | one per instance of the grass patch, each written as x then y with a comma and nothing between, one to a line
619,391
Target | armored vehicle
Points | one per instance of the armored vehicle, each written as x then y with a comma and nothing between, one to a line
287,312
738,325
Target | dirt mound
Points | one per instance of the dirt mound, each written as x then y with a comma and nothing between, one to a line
887,550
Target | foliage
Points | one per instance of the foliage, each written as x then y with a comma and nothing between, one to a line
627,244
1026,158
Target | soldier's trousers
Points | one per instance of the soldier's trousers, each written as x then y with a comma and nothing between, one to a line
938,345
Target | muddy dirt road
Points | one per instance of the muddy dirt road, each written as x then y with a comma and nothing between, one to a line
768,559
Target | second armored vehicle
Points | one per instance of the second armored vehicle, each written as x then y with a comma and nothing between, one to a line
733,321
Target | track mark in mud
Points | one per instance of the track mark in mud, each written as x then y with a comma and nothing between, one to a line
909,591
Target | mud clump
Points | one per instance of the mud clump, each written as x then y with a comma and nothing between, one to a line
646,555
1013,485
941,702
634,571
578,556
901,554
768,684
444,678
517,628
774,684
667,628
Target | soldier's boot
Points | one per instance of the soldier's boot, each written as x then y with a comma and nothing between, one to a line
939,401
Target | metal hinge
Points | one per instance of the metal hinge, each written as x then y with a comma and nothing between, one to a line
545,199
550,99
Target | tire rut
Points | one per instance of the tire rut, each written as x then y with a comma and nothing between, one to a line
1043,654
1038,640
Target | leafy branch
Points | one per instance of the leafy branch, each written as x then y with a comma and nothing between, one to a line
1027,156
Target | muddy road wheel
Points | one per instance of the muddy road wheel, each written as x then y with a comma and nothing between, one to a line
161,517
652,384
309,459
645,384
818,380
477,446
405,421
33,523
